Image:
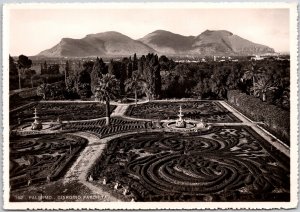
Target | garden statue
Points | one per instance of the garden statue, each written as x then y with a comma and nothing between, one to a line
58,120
91,178
104,181
116,186
201,124
29,182
125,192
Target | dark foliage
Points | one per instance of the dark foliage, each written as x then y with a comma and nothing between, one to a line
274,118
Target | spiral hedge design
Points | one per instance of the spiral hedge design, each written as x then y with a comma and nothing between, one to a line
208,110
41,158
229,164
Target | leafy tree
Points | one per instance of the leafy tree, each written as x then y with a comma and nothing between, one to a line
119,70
13,70
129,69
141,65
107,90
44,68
13,74
84,84
151,73
199,89
71,87
134,63
23,63
67,71
99,68
88,66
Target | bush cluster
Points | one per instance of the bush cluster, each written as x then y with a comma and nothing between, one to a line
276,119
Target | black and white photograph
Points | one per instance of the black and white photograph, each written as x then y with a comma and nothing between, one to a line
154,105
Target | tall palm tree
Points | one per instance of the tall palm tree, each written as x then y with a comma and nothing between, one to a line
263,84
136,83
107,90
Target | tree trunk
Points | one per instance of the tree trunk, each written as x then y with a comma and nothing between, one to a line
19,73
135,96
31,83
253,84
66,77
107,112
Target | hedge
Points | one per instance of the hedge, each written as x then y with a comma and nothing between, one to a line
276,120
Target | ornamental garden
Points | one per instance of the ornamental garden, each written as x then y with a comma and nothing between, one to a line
127,140
147,161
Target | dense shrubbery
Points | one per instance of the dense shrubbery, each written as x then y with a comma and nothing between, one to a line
276,119
49,69
161,77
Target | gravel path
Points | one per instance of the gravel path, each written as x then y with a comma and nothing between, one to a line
120,110
87,158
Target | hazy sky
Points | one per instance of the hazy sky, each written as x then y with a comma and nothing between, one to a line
34,30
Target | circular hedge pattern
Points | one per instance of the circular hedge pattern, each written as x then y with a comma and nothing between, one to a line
232,164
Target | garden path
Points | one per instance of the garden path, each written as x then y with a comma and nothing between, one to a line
79,170
120,110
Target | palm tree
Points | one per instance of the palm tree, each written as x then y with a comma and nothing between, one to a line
136,83
262,85
107,90
251,73
42,90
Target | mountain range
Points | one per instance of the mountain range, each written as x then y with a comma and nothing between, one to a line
111,43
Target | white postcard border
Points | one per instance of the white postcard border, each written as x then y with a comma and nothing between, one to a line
159,205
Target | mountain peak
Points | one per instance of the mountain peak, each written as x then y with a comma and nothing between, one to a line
112,43
219,32
161,32
105,33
